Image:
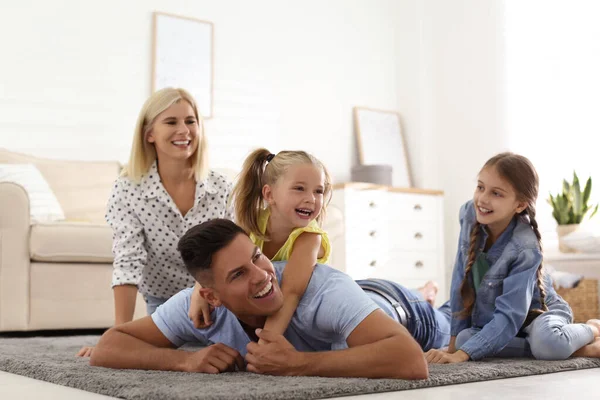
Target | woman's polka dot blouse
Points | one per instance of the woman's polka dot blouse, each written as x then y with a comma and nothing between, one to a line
147,225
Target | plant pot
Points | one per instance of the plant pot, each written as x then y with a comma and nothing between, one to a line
563,230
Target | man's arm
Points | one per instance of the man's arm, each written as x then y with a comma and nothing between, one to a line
138,344
141,345
379,347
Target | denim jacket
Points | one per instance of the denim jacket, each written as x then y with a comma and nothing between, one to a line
507,291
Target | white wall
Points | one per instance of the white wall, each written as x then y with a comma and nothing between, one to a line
457,118
287,74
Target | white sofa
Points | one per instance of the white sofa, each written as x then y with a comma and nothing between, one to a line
58,275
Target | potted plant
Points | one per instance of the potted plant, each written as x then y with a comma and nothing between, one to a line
569,208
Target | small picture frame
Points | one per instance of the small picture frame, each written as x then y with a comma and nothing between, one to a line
182,57
381,142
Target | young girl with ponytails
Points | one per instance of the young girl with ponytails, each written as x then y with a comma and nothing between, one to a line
503,302
280,201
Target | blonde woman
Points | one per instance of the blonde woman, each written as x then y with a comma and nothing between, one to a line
165,189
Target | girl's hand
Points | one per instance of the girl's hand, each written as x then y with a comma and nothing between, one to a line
436,356
452,345
200,310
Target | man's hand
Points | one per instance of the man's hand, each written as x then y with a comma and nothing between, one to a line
276,356
215,359
85,351
436,356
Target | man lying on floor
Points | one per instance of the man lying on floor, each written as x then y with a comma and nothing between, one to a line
370,329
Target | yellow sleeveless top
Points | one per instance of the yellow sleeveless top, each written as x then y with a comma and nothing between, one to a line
286,250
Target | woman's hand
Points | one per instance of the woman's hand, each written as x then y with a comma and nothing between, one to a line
437,356
85,351
200,310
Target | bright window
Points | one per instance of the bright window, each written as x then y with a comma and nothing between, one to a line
553,93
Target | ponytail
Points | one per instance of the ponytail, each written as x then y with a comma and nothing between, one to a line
247,193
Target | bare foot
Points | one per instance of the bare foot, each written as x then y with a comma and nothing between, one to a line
595,324
590,350
429,291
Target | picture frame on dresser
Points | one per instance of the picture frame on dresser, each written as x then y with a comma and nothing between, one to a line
174,36
380,141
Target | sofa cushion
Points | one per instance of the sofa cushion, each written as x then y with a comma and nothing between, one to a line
81,187
71,242
43,205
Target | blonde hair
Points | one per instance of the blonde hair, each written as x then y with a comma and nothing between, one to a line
247,193
521,174
143,153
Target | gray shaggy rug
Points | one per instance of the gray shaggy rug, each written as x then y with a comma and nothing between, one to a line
52,359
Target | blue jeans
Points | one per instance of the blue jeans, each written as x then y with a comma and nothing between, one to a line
551,336
152,303
429,326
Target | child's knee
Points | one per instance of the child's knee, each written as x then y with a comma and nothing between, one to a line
463,336
549,345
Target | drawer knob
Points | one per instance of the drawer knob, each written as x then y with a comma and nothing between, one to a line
373,233
417,207
419,264
372,204
373,263
418,235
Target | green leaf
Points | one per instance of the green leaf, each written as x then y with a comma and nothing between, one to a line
562,202
572,217
566,186
587,191
559,219
571,206
595,211
577,201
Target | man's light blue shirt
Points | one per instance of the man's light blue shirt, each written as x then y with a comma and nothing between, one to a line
333,305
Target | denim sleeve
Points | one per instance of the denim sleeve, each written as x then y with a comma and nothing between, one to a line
554,302
511,307
457,324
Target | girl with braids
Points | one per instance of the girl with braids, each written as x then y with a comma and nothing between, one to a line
503,303
280,201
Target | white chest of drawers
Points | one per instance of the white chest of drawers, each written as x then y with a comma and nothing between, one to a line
390,233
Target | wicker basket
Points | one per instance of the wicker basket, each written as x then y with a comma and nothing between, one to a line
583,299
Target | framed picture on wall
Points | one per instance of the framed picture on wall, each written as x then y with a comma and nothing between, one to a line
380,141
182,57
